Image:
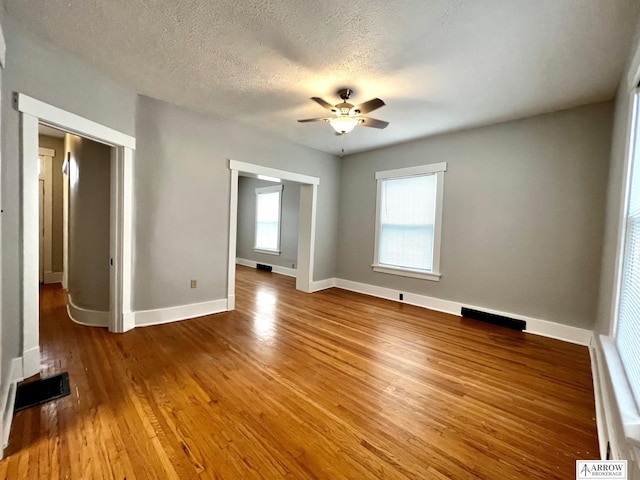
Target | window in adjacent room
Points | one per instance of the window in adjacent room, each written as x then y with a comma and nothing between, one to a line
408,221
268,216
627,336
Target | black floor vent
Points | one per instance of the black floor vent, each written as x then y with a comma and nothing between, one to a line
42,391
262,266
494,319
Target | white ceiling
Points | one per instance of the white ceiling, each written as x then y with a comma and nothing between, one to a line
440,65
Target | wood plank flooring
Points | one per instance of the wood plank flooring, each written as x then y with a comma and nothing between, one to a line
332,385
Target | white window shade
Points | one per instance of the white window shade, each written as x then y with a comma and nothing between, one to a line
268,210
408,221
407,217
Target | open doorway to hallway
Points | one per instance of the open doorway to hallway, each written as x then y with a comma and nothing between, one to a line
74,222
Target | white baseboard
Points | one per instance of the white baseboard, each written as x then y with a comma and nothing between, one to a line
617,413
536,326
128,321
84,316
144,318
322,284
53,277
289,272
31,362
601,416
231,302
8,399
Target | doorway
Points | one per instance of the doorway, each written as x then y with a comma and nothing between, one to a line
306,222
51,154
268,214
33,112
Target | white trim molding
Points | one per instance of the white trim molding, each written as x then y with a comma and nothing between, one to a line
274,173
624,400
8,399
31,362
306,224
46,152
617,414
53,277
159,316
33,112
264,191
85,316
3,49
318,285
70,122
289,272
407,272
536,326
599,397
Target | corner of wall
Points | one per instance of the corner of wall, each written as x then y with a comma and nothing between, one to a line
7,399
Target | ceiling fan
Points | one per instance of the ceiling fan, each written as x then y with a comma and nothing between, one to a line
346,116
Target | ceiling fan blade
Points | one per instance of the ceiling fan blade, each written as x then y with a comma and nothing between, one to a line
372,122
322,103
370,106
313,120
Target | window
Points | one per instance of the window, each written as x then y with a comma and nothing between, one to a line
628,321
268,210
408,218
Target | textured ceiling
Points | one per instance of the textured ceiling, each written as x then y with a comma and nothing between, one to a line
440,65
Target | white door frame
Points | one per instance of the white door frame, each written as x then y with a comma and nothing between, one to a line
32,112
46,174
306,224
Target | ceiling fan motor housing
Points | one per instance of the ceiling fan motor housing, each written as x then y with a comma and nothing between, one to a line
345,93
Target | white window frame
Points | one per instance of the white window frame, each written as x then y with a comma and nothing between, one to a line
438,170
259,191
628,408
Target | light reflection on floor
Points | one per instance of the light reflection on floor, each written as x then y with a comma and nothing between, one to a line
264,318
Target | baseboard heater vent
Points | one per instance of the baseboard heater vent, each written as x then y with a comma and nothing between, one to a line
499,320
262,266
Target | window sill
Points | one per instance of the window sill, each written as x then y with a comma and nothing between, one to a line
268,252
434,277
627,408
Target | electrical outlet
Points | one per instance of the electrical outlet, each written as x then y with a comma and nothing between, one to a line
194,284
293,265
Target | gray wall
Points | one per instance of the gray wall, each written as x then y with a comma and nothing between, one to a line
42,71
89,218
522,220
182,189
288,226
56,144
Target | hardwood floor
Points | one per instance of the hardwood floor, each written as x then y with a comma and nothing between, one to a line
290,385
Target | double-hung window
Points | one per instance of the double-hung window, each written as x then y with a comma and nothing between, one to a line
268,216
627,335
408,221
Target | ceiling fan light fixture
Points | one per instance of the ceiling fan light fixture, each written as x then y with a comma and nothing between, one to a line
343,124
